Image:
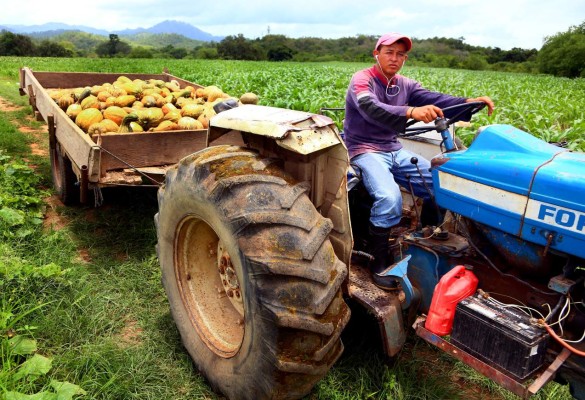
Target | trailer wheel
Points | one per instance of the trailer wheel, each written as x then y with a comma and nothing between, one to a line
64,179
252,280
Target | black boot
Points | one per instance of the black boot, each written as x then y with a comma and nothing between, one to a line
380,248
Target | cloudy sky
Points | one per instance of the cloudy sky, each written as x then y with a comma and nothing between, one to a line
494,23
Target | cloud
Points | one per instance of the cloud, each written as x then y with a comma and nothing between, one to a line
497,23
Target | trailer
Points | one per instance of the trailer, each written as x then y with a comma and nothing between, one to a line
80,162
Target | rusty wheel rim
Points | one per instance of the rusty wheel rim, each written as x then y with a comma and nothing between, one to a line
209,286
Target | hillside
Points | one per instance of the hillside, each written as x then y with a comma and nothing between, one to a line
52,29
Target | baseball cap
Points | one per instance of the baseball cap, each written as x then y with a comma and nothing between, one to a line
389,38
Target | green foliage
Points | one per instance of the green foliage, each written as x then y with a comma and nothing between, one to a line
205,53
24,374
83,43
9,140
112,48
15,44
160,40
48,48
20,201
563,54
140,52
238,48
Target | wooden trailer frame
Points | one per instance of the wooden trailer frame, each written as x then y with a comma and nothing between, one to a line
115,159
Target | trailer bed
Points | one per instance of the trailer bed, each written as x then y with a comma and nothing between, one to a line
116,158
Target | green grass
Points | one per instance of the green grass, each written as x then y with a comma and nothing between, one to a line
90,296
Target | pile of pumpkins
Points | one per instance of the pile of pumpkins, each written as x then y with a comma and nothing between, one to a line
154,105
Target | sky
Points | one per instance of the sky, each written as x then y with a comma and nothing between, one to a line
489,23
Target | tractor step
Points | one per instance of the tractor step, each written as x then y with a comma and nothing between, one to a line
384,305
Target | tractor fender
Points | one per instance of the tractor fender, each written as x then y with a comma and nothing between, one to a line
298,131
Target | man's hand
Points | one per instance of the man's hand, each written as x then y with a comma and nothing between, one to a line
426,113
483,99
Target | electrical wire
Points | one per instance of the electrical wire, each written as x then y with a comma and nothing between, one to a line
563,315
516,306
560,340
576,341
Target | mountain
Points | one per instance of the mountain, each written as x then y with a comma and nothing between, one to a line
175,27
52,26
168,27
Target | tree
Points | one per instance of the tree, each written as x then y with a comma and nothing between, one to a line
205,53
280,53
51,49
563,54
174,52
15,45
238,48
113,47
140,52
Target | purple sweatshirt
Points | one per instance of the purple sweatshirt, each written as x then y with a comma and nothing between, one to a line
373,118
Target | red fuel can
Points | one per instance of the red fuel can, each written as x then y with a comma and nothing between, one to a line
453,287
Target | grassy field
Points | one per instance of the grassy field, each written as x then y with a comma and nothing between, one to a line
82,310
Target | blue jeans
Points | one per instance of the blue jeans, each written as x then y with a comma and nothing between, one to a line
382,173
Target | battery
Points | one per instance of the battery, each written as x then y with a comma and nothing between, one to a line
499,335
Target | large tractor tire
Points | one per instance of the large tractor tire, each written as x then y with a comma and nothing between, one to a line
64,179
252,280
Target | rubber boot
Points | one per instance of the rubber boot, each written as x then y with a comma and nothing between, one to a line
379,249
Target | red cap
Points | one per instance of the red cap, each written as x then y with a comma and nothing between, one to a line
389,38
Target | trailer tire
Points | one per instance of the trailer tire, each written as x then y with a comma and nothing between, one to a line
64,179
253,283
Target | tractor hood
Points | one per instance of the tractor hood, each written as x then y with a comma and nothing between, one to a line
299,131
512,181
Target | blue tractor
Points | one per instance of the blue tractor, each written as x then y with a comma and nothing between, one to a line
261,242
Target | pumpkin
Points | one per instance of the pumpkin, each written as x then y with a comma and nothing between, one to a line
204,121
55,94
103,95
173,86
125,127
150,117
104,126
133,88
173,116
192,110
166,126
90,102
115,113
65,101
249,98
168,107
148,101
189,124
81,94
136,127
73,110
109,125
87,117
125,100
181,93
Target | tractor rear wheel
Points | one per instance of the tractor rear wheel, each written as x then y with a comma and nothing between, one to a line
252,280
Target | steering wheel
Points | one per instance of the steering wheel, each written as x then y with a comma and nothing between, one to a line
442,124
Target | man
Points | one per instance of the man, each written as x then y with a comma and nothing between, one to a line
378,104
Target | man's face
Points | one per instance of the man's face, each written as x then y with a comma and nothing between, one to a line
391,58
